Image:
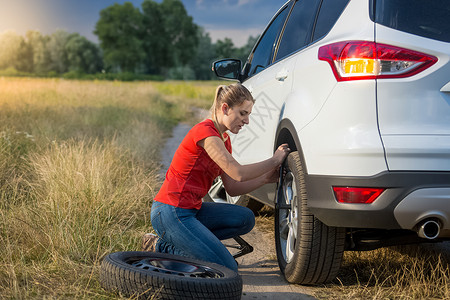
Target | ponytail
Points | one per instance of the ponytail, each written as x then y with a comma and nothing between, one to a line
215,106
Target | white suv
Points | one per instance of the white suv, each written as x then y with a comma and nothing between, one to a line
360,90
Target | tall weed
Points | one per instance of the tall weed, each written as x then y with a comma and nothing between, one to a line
88,199
14,147
90,194
407,272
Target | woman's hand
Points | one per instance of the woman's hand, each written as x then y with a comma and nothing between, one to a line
281,153
235,187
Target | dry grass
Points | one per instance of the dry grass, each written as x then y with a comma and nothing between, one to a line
408,272
265,219
78,170
85,200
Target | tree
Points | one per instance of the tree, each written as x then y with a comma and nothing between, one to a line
56,47
205,55
24,57
154,37
83,55
225,48
169,34
243,52
15,52
10,43
181,31
41,55
119,30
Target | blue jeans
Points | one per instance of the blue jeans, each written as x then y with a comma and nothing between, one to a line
197,233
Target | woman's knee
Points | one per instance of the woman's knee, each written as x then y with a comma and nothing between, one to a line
249,220
244,219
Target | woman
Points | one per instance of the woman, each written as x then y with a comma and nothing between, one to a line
188,227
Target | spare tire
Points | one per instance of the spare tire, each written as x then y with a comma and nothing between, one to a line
164,276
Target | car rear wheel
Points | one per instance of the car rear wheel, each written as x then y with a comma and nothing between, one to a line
308,251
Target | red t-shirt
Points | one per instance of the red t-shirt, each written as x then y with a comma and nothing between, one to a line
192,171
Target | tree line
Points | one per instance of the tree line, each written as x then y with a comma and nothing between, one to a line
157,39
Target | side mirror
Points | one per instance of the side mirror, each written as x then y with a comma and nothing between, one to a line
227,68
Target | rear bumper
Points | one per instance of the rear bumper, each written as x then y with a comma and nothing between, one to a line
407,199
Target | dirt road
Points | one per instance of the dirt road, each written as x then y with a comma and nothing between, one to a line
260,273
259,270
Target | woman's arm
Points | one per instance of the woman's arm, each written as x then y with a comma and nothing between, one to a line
215,148
236,188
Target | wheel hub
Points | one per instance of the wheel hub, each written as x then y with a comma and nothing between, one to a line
288,220
174,267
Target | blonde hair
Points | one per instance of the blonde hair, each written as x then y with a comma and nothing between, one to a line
233,94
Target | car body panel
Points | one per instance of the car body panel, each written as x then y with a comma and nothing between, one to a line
270,94
414,112
424,204
344,139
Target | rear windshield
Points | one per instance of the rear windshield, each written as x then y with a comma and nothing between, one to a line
427,18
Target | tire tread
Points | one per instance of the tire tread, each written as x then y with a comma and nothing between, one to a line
319,248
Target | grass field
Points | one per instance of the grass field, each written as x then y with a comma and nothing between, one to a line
78,171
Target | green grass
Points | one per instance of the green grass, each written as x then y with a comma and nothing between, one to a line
192,93
78,171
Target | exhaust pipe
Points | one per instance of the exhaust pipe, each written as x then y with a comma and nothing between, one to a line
429,229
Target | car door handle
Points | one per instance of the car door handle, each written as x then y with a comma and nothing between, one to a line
282,75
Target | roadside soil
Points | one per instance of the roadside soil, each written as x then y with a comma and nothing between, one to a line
259,270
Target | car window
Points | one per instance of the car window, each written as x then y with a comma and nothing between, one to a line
330,10
427,18
263,53
298,28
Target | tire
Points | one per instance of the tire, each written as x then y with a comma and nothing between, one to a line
146,275
218,194
308,251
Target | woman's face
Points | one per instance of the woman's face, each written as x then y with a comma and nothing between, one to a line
234,118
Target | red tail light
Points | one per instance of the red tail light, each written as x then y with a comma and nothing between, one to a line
356,194
356,60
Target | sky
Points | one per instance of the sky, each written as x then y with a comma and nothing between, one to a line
235,19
